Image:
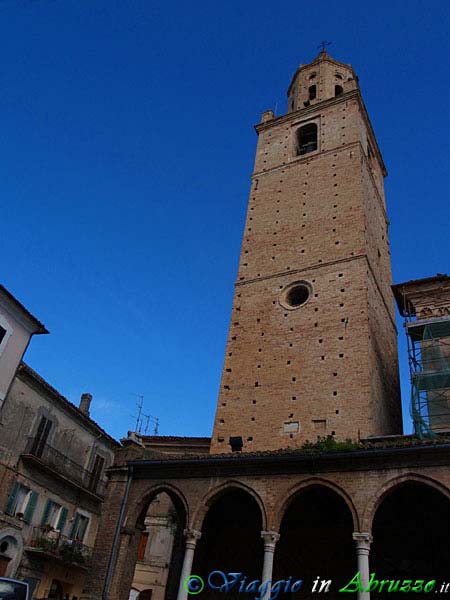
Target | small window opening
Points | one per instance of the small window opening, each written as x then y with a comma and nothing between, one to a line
307,139
236,442
312,92
338,90
296,295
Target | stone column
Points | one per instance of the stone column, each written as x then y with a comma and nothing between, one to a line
270,539
363,541
192,536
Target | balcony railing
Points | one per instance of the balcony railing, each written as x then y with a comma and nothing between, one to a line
53,544
60,463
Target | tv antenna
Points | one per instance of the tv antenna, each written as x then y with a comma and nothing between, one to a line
143,421
140,405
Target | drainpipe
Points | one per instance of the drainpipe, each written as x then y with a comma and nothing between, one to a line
112,558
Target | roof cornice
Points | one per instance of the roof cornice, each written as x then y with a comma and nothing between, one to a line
24,315
26,372
289,462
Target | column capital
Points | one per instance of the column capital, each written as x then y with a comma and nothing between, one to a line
362,540
192,535
270,537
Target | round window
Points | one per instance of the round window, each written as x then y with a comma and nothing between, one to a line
295,295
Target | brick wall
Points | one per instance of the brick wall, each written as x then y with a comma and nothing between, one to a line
330,366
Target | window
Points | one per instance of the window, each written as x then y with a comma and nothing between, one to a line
307,139
312,92
5,333
54,515
79,527
42,434
295,295
21,502
298,295
338,90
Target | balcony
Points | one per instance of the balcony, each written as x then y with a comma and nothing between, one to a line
52,544
57,463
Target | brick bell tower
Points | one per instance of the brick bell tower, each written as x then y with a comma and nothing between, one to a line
312,345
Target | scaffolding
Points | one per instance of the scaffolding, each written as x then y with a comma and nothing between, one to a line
429,363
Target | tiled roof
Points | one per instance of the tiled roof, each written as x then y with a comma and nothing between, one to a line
364,446
175,438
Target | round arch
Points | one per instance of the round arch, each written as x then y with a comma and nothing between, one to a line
137,511
213,495
301,487
315,520
11,543
390,486
139,503
409,525
231,517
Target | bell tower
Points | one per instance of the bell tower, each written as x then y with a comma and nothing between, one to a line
312,344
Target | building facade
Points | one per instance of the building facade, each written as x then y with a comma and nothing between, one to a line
53,458
17,326
308,478
161,534
425,304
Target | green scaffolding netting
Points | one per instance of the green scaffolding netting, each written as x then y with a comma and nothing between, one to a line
430,377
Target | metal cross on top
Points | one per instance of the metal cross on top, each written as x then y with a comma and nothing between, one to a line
323,45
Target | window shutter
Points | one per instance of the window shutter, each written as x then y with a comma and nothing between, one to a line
46,514
83,528
31,505
12,498
74,526
62,519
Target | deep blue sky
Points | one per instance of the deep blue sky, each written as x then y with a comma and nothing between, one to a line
126,146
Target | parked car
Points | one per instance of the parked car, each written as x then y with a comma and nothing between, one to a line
12,589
